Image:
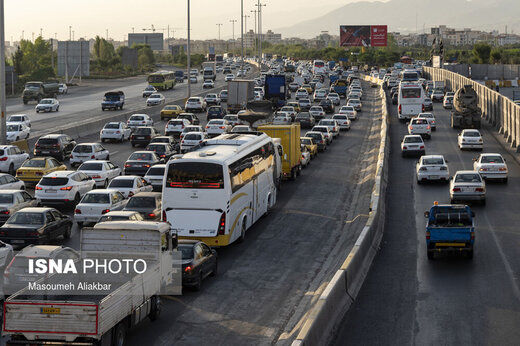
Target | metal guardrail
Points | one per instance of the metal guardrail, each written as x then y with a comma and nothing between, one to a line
498,110
342,290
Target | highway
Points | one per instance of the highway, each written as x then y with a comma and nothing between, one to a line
408,300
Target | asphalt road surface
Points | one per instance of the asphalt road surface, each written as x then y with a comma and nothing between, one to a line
408,300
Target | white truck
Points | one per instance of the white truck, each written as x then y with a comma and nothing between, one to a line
56,316
240,92
209,70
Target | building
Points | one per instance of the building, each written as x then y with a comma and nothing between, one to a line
154,40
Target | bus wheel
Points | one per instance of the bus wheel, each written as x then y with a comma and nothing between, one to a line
242,231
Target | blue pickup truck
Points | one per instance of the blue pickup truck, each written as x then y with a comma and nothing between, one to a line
113,100
450,229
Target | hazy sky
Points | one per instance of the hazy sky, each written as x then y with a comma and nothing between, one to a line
92,17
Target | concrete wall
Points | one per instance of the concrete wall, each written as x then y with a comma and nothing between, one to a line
486,71
497,109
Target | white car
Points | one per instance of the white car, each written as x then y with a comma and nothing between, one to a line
281,118
11,158
175,127
241,128
217,127
83,152
194,79
332,125
129,185
467,186
195,104
349,111
356,103
232,119
191,128
431,120
20,119
17,131
260,90
155,99
97,203
212,99
192,139
208,84
63,89
289,110
470,139
48,105
420,126
320,94
432,167
101,171
334,98
325,131
116,130
306,156
491,166
343,121
301,94
155,176
412,145
8,182
229,77
63,187
317,112
137,120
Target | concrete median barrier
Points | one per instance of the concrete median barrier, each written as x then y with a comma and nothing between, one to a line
341,291
23,145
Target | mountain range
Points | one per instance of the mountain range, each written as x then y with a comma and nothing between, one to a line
411,15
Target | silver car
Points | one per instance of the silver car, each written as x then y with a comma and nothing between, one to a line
467,186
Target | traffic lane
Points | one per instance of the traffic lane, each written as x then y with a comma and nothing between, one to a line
451,286
284,260
449,300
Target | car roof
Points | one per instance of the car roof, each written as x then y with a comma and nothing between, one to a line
412,136
433,156
59,174
121,213
9,191
123,177
103,190
40,251
147,194
467,171
96,161
52,135
91,143
36,209
491,154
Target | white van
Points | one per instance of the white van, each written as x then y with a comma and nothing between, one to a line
410,101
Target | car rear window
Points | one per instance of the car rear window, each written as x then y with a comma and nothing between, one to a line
192,137
491,159
96,198
141,202
34,163
112,126
91,166
136,118
471,134
340,117
413,140
140,156
433,161
82,149
156,171
26,218
122,183
156,147
468,178
419,121
47,141
143,131
53,181
6,198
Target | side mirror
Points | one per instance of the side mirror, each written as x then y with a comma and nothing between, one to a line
427,214
451,178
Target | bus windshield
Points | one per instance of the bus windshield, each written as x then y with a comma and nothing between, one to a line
154,78
199,175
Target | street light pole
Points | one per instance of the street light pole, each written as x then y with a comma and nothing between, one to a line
3,136
242,34
245,29
255,11
233,21
188,51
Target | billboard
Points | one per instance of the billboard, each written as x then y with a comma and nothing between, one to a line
73,56
362,35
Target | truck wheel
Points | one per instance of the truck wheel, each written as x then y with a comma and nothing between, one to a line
156,308
431,254
119,334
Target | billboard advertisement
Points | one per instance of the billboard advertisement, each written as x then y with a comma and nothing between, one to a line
362,35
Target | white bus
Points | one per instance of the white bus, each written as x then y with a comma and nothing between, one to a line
219,190
410,100
318,67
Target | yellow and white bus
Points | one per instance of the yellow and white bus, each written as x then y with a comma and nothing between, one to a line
220,189
162,80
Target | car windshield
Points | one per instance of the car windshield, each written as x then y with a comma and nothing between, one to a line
140,156
468,178
96,198
26,218
91,166
471,134
53,181
112,126
6,198
82,149
12,128
491,159
433,161
34,163
187,251
122,183
141,202
413,140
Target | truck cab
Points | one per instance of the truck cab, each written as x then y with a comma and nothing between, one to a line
450,228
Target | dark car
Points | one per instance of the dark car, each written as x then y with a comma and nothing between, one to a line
163,139
223,95
179,76
395,98
163,150
143,135
198,261
305,119
148,91
56,145
139,162
148,204
16,275
113,100
327,106
35,225
189,116
215,112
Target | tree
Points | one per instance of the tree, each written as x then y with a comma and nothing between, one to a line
18,60
482,51
496,56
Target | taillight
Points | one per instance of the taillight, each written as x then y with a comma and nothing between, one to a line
96,177
422,147
67,188
222,224
410,127
428,127
479,189
3,158
427,235
472,235
400,109
127,165
151,215
187,269
77,211
105,211
404,148
456,189
93,157
130,194
5,212
38,188
164,216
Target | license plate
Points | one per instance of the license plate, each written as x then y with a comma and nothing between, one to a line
140,137
50,191
451,244
433,176
413,146
15,241
45,151
50,311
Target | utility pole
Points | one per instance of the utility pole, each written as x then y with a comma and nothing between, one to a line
41,32
107,34
133,30
219,25
233,21
242,34
73,35
255,11
189,57
70,32
259,5
3,136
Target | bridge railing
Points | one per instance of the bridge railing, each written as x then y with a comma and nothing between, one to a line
498,110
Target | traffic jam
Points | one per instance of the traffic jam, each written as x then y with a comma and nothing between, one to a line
422,106
183,185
